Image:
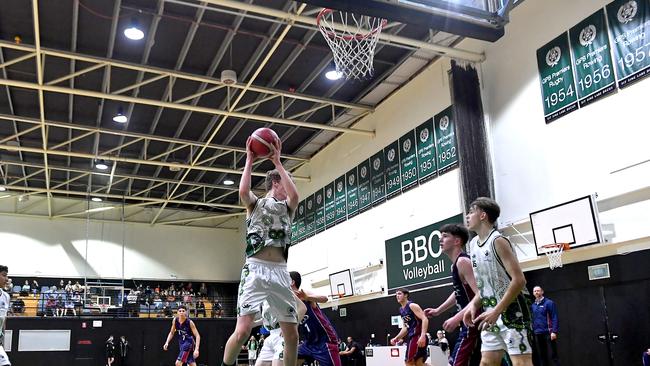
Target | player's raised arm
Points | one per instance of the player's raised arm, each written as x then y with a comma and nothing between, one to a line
285,179
170,335
246,196
311,297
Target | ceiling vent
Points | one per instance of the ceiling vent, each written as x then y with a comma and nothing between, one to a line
228,77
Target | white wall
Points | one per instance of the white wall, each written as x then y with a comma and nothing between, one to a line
57,248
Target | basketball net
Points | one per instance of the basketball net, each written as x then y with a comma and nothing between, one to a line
103,308
352,39
554,254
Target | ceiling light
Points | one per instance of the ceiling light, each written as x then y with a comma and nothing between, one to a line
99,209
228,182
133,31
2,188
120,117
101,164
96,199
333,75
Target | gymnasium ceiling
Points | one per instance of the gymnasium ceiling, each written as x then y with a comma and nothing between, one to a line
66,69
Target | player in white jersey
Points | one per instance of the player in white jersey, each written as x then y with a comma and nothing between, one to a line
505,323
5,301
272,351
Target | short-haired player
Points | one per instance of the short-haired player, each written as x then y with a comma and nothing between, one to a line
189,338
414,330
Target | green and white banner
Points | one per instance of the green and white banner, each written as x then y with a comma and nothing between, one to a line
391,170
629,27
426,151
310,217
556,78
446,149
339,187
319,202
300,221
352,199
594,71
364,190
408,161
377,179
415,259
330,205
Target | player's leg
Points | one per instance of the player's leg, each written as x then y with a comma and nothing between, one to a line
518,346
290,334
327,354
465,347
491,358
238,338
4,359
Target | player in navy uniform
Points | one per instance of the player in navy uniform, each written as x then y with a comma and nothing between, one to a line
453,238
189,338
414,329
320,338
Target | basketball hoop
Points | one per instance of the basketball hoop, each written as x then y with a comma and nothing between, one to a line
554,253
352,40
103,308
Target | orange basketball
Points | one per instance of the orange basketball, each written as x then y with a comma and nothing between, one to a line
263,140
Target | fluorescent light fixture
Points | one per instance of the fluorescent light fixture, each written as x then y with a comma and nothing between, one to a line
101,165
96,199
3,188
5,196
228,182
120,117
99,209
333,75
133,31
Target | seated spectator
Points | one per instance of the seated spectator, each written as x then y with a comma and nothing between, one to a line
157,289
200,309
77,301
69,287
69,305
442,342
53,290
203,290
18,306
50,306
217,309
59,306
352,354
77,287
167,310
26,289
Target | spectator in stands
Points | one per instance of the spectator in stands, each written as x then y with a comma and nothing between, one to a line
59,306
69,305
53,290
50,306
352,354
18,306
62,285
35,288
26,289
69,288
157,289
203,290
442,342
9,286
217,309
200,309
77,301
77,287
167,310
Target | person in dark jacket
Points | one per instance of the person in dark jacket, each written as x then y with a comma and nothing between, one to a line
110,351
123,351
545,328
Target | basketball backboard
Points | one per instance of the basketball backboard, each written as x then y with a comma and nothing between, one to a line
574,222
479,19
341,284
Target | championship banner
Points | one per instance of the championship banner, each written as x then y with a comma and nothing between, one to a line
294,231
391,170
629,27
364,190
319,203
300,221
594,71
426,151
446,149
556,78
415,260
339,197
310,217
352,197
408,161
330,205
377,179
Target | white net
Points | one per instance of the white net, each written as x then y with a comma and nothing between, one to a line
554,254
352,39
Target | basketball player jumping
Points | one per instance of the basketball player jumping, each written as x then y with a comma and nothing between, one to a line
272,352
453,239
189,338
414,329
264,276
505,323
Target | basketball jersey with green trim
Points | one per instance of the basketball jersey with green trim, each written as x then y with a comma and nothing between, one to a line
269,225
492,281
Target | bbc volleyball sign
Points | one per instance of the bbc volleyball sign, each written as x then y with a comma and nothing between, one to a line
415,260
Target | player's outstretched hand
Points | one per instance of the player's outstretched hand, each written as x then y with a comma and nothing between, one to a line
165,346
250,155
431,312
275,154
393,341
196,354
300,294
468,317
451,324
